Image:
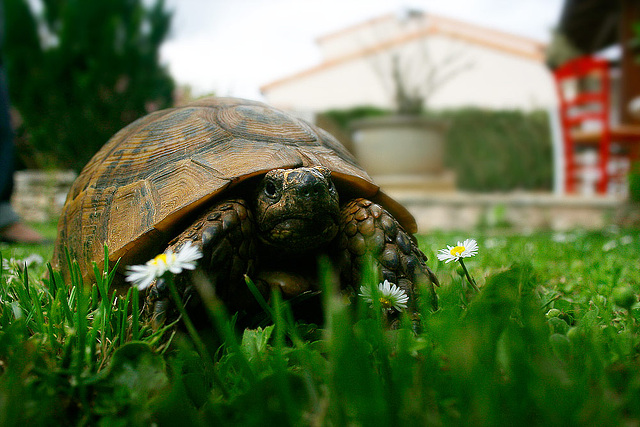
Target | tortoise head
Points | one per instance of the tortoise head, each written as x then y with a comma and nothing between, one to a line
297,209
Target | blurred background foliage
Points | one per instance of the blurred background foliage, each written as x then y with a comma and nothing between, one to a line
489,150
79,71
499,150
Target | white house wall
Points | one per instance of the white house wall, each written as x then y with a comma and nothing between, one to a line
497,78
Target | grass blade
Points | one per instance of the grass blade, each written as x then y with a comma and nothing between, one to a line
135,310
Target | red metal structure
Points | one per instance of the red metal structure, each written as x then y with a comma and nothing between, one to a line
584,92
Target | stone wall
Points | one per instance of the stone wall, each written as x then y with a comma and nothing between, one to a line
38,196
519,211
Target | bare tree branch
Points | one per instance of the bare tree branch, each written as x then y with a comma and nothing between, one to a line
411,73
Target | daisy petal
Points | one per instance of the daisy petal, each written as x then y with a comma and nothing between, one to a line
142,276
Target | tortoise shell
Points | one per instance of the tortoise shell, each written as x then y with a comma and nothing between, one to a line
169,164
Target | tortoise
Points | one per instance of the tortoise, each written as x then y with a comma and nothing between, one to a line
259,191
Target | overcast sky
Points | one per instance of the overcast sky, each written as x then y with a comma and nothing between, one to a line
232,47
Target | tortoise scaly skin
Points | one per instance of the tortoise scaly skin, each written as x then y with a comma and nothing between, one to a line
262,193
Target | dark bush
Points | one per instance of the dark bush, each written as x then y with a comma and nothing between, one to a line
79,71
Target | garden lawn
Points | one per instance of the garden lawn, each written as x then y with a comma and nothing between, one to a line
551,338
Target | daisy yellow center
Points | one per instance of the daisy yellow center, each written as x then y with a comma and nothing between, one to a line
457,251
162,258
385,302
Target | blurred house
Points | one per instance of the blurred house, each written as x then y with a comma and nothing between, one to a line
454,64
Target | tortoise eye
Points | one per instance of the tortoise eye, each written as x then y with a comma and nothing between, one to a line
270,189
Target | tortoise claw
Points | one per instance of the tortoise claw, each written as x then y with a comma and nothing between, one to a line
368,229
158,303
159,315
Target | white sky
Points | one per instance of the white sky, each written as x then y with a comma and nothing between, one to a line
232,47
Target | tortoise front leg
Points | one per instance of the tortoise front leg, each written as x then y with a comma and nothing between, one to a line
368,229
225,234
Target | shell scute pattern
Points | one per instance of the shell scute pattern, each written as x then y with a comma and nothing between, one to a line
265,124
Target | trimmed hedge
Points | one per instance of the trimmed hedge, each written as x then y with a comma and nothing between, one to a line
500,150
489,150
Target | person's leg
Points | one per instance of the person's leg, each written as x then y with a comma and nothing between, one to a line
6,154
11,229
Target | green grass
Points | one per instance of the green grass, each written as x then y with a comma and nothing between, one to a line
550,339
41,253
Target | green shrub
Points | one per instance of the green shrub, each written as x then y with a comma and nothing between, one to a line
343,118
488,150
634,182
499,150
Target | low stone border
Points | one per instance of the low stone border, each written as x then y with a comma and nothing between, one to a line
520,211
38,196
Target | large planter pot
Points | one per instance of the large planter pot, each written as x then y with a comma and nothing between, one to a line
400,145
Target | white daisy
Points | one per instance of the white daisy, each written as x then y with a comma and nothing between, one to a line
625,240
564,237
389,295
465,249
610,245
142,276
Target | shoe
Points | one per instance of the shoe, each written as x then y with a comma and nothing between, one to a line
19,232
